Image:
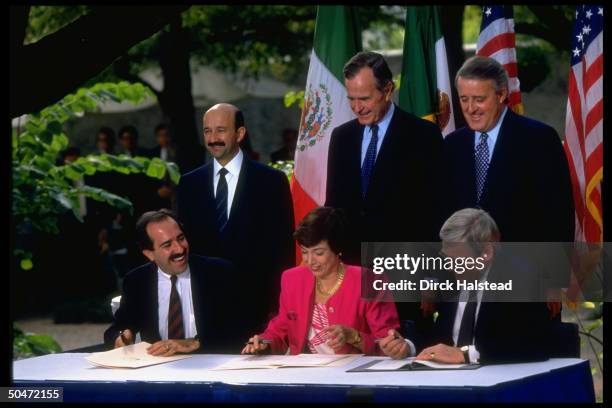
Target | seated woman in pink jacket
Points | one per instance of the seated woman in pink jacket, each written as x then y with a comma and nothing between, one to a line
321,309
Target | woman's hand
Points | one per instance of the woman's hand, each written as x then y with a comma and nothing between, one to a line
339,335
255,345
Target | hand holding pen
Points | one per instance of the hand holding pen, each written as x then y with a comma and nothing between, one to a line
125,338
394,345
256,345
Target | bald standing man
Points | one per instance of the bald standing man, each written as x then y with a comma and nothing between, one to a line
239,210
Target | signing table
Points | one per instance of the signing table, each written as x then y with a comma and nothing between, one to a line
191,380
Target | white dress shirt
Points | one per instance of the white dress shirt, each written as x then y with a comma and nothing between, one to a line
463,298
233,168
183,287
493,133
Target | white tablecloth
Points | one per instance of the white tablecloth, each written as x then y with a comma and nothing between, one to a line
73,367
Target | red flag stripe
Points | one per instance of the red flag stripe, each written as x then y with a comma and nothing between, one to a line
594,116
593,73
497,43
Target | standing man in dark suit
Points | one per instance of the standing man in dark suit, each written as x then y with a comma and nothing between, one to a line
509,165
382,166
177,302
480,326
240,210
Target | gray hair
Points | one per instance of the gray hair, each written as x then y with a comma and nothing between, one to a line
484,68
472,226
373,60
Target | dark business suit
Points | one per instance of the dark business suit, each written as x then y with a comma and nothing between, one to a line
505,330
400,204
527,191
257,237
528,187
214,312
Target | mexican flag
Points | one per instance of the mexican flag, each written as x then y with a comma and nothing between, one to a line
336,39
425,88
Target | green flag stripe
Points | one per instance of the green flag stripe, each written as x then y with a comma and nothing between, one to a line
337,37
418,88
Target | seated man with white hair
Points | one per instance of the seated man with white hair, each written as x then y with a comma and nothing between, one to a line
480,325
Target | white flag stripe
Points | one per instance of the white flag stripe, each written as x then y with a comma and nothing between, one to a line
494,29
576,152
594,95
594,138
311,164
578,75
443,80
595,50
514,84
505,56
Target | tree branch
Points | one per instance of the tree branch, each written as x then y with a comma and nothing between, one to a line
79,51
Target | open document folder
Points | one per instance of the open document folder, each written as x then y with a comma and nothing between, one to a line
408,364
300,360
132,356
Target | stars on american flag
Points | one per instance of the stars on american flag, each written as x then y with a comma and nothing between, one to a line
588,27
488,11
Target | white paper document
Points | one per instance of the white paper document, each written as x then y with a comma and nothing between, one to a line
300,360
132,356
389,364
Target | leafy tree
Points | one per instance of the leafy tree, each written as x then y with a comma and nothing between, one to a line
42,190
247,40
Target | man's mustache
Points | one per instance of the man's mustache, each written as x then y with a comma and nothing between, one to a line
220,144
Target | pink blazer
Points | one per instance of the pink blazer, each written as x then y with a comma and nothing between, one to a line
290,327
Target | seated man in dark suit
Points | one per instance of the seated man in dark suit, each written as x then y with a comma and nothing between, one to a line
172,301
480,326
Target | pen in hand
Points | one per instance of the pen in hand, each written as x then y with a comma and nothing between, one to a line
262,341
123,339
395,337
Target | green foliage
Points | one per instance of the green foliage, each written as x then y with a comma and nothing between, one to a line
292,97
533,65
43,190
29,344
45,20
285,166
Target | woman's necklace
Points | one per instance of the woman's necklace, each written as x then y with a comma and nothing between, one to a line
336,286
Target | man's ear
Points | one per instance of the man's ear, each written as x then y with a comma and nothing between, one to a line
503,95
149,254
241,133
488,251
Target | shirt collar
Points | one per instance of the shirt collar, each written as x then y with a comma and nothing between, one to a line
183,275
234,165
384,123
493,133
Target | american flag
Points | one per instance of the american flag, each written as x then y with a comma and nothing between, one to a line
584,121
497,40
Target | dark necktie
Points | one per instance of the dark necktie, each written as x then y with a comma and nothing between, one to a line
466,330
176,329
221,200
368,162
482,165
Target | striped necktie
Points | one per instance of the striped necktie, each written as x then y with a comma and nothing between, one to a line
176,329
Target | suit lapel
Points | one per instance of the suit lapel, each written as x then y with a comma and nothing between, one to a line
238,201
154,302
500,157
353,152
195,298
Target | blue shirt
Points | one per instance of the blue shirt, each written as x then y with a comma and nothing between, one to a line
493,133
382,130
